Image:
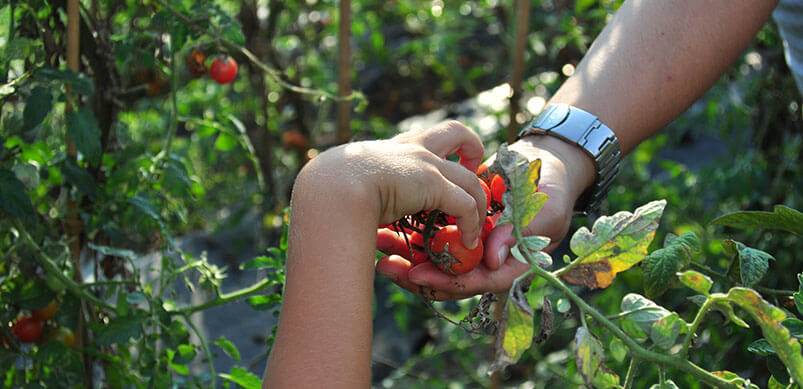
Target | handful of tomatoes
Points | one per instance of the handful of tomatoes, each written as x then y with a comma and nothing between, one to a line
432,236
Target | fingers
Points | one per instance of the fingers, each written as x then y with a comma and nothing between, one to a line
391,243
448,138
497,246
458,205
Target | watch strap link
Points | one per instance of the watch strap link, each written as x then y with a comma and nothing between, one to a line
583,129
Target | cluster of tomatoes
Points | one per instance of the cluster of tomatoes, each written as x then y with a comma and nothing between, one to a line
29,328
223,68
432,236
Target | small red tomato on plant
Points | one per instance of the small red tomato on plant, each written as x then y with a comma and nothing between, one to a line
497,188
27,329
460,259
46,313
223,69
419,255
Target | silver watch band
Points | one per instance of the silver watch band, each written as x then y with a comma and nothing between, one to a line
583,129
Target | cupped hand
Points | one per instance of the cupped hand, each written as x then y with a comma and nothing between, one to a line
565,172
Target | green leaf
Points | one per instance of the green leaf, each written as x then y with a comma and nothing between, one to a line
13,198
225,142
614,244
564,305
522,199
770,319
37,106
177,367
79,177
618,349
665,330
118,330
243,377
264,302
78,82
141,202
83,130
659,268
795,327
515,333
723,307
661,325
186,353
228,347
582,5
534,244
176,177
778,370
696,281
761,347
782,218
753,263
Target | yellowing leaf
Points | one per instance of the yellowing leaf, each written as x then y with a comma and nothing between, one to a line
614,244
771,319
589,356
522,199
516,329
697,281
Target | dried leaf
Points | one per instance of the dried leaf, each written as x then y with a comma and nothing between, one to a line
547,322
614,244
588,354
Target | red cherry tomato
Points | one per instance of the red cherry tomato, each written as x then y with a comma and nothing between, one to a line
223,69
27,329
417,248
497,187
47,312
487,191
464,259
486,228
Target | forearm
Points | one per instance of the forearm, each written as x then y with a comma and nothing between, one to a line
324,334
655,58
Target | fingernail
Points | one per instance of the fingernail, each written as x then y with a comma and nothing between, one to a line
474,243
502,253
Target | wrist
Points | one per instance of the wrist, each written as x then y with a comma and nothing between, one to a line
562,158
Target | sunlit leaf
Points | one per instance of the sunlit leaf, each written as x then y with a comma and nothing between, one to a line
782,217
614,244
522,199
696,281
243,377
770,319
228,347
734,379
661,325
515,334
618,349
753,263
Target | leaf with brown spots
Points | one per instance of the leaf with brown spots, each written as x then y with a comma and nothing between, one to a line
614,244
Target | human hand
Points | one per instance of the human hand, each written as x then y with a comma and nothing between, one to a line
565,172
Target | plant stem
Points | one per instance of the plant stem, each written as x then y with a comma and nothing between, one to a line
226,298
631,372
684,351
661,377
636,349
205,345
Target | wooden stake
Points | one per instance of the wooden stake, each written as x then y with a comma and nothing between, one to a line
522,27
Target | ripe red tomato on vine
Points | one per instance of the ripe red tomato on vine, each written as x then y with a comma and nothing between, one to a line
27,329
465,259
223,69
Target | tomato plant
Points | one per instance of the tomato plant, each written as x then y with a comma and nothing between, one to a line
223,69
27,329
453,256
61,334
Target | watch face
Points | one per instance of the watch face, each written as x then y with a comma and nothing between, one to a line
554,117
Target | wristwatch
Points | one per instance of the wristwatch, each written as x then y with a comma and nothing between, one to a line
578,127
